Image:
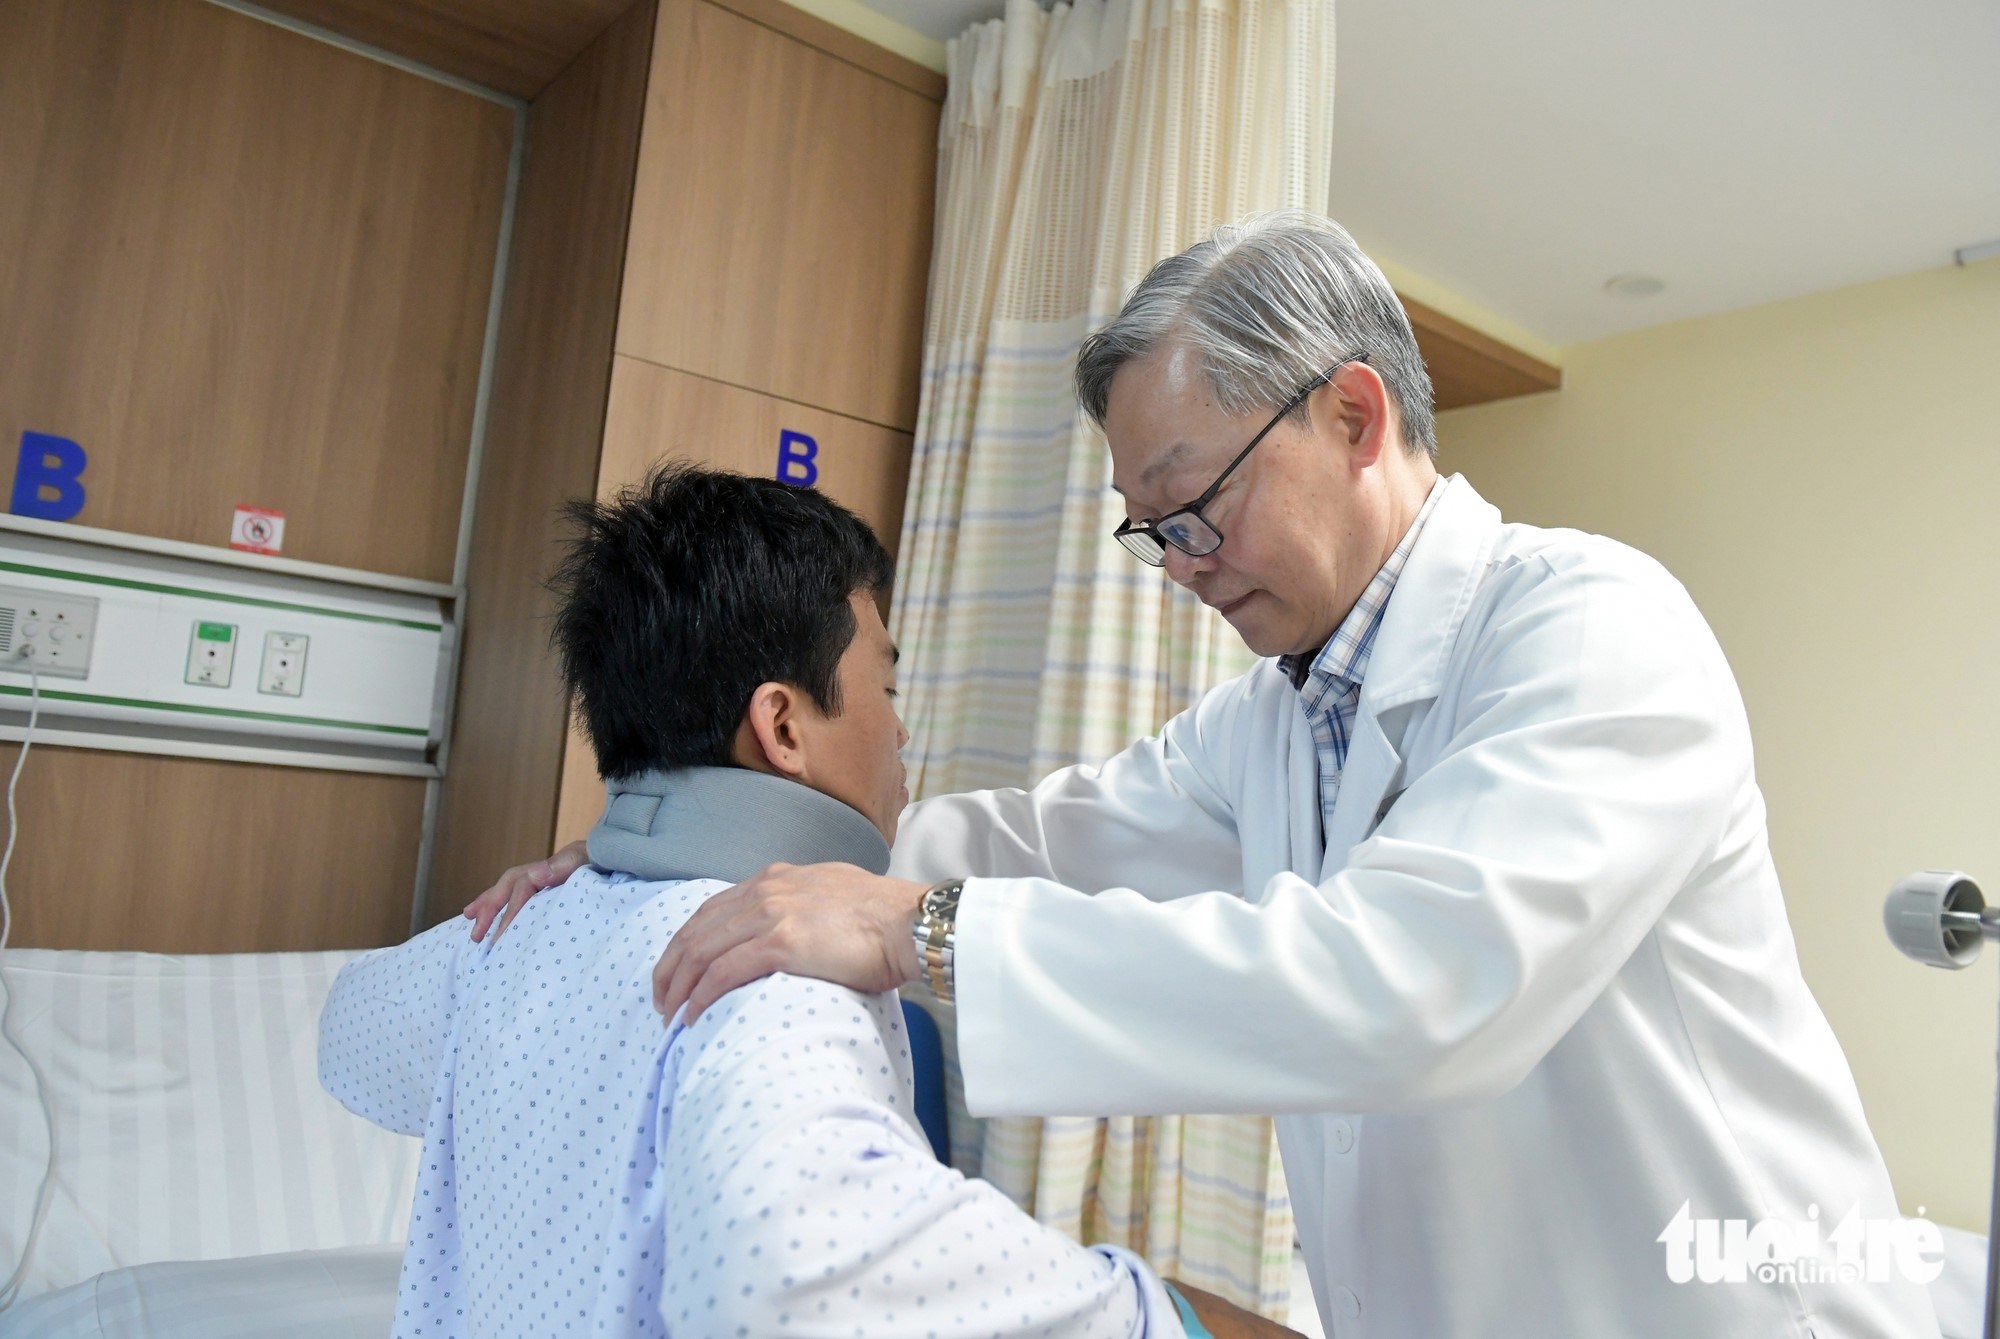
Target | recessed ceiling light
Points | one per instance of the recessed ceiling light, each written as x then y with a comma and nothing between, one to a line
1633,286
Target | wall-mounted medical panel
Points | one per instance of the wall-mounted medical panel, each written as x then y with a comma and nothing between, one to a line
175,655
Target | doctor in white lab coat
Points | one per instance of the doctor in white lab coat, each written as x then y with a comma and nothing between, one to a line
1469,882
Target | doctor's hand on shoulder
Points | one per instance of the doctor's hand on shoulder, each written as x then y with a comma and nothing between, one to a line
839,923
836,922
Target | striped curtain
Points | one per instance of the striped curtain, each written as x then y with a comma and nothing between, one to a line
1079,146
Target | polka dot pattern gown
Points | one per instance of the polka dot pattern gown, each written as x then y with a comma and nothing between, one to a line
587,1171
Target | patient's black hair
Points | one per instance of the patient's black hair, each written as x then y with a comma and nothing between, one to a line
679,596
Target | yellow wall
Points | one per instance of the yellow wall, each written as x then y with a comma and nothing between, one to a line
1823,475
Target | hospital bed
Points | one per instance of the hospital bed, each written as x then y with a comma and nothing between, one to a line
204,1184
205,1187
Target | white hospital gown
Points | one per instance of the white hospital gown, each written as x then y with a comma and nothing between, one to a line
587,1171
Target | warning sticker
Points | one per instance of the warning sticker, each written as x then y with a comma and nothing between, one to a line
258,530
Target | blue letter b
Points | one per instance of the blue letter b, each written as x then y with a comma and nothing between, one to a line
795,459
52,464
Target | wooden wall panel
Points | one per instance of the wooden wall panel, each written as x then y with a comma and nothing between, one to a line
581,802
789,19
515,46
183,855
499,795
1469,367
244,266
657,413
781,226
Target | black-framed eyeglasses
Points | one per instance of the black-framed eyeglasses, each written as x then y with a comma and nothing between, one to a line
1185,527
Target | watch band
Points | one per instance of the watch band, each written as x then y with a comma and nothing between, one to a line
937,936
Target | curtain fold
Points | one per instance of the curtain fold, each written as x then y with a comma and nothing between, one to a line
1078,146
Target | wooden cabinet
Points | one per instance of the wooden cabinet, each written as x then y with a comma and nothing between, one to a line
658,413
781,224
771,304
244,267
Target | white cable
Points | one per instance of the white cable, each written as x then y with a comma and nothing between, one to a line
10,1292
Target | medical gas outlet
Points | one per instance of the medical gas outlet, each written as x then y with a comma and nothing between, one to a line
284,664
52,632
211,654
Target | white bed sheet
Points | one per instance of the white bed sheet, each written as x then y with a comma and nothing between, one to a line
190,1121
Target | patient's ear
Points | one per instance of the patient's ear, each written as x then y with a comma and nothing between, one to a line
769,738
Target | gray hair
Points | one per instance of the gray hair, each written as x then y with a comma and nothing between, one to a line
1265,308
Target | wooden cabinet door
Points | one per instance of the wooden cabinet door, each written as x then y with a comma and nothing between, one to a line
781,222
657,413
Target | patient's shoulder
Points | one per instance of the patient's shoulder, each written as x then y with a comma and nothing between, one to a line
597,911
791,1042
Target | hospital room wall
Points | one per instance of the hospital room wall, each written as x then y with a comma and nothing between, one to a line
1821,474
242,266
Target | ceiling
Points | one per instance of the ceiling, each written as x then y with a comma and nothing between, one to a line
1521,155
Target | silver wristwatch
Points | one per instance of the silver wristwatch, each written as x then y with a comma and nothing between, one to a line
937,938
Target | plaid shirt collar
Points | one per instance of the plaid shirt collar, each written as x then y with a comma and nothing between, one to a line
1343,661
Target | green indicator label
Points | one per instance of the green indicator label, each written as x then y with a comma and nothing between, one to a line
215,632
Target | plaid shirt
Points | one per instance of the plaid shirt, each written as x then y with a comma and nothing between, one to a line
1330,686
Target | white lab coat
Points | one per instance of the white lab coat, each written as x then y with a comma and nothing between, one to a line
1541,947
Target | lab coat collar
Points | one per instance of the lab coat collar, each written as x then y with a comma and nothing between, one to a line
1431,600
1412,649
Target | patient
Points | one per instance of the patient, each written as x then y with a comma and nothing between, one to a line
759,1173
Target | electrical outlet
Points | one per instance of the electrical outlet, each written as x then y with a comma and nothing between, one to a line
54,631
284,670
211,654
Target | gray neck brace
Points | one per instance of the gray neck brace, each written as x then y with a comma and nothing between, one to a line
726,823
